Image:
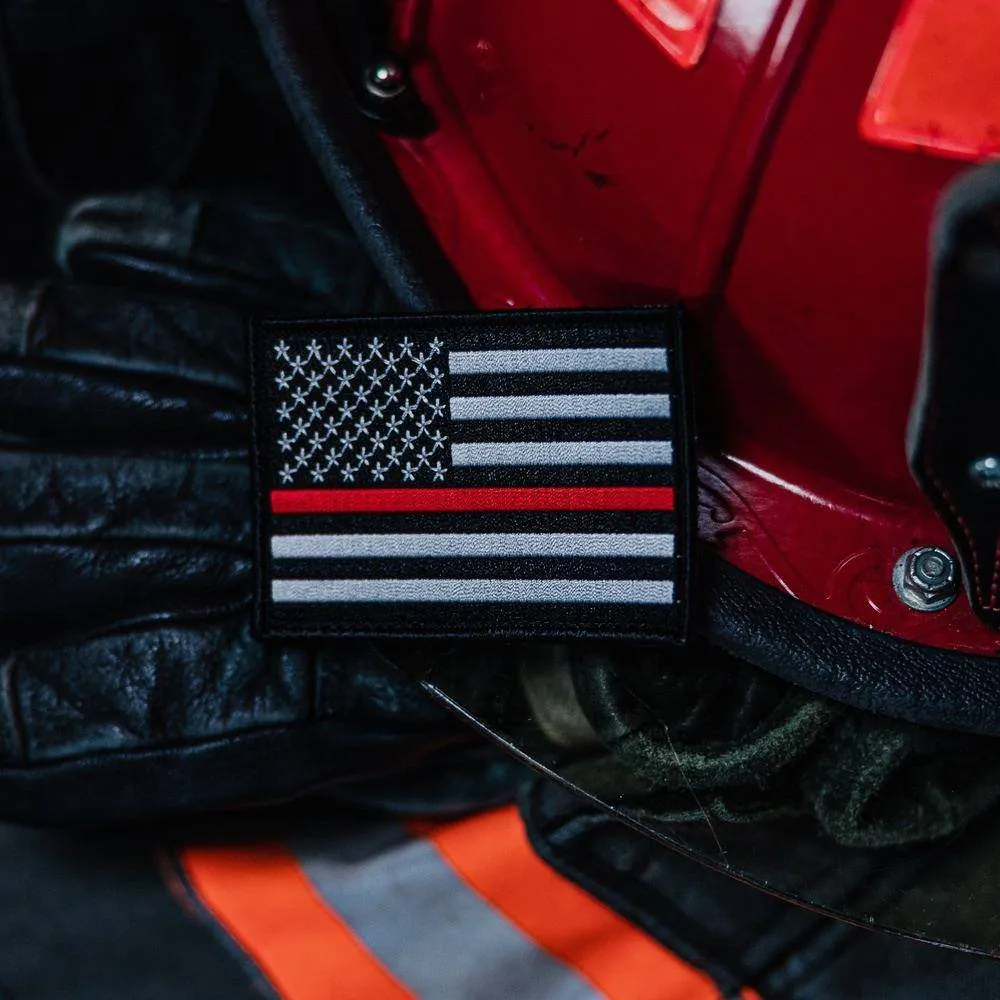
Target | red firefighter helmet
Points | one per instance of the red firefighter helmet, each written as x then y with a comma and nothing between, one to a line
804,176
774,165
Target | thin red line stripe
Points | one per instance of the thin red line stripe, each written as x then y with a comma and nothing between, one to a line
405,501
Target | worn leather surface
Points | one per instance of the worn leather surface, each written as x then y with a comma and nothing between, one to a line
955,422
130,684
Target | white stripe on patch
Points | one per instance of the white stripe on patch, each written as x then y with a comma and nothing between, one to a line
562,359
474,591
568,407
391,546
562,453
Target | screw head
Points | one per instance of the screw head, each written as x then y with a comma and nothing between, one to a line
925,579
985,472
386,79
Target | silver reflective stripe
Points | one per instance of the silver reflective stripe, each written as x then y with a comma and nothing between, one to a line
563,453
573,359
425,925
640,546
474,591
559,407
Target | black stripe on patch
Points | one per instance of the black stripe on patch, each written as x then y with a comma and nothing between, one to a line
563,475
500,621
473,568
558,383
468,431
603,521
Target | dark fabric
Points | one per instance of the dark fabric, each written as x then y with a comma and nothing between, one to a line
740,934
94,919
702,731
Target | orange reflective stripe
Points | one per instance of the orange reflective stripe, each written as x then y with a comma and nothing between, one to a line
260,895
491,853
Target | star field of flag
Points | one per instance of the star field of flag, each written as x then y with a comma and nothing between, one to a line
515,475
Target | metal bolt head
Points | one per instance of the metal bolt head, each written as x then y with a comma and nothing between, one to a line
985,472
925,579
386,79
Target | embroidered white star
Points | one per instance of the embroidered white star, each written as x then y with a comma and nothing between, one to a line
365,411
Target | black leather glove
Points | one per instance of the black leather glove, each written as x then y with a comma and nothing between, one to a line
130,684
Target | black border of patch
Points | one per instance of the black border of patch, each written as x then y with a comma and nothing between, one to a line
671,319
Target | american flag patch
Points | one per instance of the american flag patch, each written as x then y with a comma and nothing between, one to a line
485,475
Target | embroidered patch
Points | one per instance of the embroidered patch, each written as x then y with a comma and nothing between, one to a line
486,475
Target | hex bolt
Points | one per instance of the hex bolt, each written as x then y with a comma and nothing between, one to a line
926,579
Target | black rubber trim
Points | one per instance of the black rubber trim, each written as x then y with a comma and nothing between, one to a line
353,159
843,661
